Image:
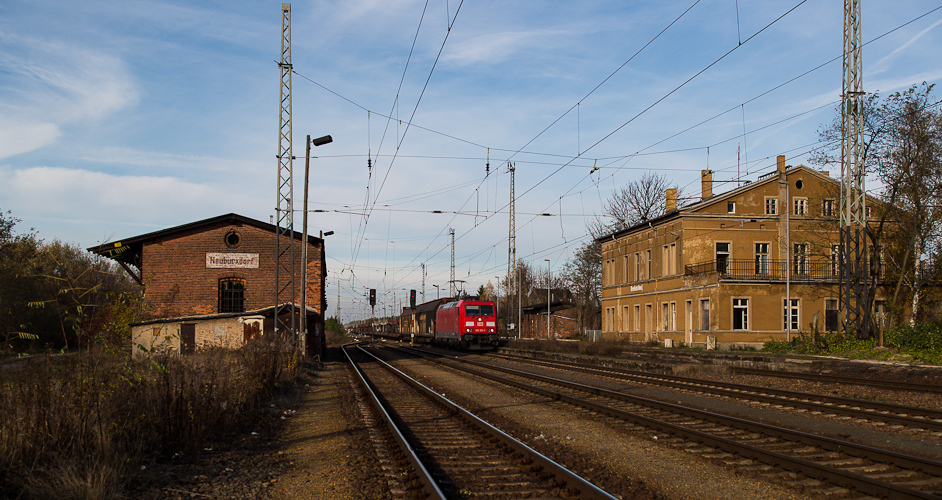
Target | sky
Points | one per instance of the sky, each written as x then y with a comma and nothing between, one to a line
119,118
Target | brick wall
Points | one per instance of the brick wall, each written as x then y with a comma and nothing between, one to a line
177,281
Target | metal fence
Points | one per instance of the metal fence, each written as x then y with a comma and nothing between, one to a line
766,269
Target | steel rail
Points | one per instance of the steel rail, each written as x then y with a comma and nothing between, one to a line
874,382
818,471
424,476
832,404
573,481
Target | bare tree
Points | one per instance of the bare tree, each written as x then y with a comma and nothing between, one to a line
582,275
903,150
638,201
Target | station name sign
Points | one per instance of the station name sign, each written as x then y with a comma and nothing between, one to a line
232,261
637,288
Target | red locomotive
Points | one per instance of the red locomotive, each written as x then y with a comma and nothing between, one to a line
467,324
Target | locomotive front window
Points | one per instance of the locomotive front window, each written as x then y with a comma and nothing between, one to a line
479,309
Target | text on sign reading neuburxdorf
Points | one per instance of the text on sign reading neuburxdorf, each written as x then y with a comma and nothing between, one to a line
232,260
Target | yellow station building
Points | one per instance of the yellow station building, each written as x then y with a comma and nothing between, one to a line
756,263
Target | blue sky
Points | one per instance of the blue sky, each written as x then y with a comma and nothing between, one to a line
121,118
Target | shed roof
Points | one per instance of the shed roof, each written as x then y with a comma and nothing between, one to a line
128,250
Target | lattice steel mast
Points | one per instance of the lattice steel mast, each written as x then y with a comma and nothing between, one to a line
855,276
511,250
284,211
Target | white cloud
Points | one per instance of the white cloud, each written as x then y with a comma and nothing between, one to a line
23,136
496,47
49,84
54,193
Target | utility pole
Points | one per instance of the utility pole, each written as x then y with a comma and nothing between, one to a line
855,279
284,211
512,284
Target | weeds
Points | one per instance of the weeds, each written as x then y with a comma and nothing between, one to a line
79,426
922,343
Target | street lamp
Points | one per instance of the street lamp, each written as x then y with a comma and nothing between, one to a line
320,141
436,291
548,280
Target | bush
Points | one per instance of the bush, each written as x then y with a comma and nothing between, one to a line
78,426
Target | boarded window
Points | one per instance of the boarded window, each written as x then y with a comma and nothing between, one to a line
831,315
704,314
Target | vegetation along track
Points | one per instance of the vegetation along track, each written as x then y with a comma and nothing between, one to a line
830,466
929,419
455,454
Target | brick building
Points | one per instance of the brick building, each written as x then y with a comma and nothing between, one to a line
200,275
563,316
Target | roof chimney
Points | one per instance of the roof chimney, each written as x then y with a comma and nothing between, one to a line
671,199
780,163
706,184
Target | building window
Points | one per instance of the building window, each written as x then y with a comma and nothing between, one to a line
740,314
669,262
231,296
624,320
650,265
637,318
801,206
771,206
232,239
637,266
704,314
673,316
800,258
831,315
762,258
674,258
791,314
722,256
730,207
827,208
627,274
666,326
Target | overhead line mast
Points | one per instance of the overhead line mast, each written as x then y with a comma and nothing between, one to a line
855,276
284,211
511,249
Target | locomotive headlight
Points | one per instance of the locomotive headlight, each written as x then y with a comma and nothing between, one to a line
490,330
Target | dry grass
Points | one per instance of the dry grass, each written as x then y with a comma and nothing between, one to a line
79,427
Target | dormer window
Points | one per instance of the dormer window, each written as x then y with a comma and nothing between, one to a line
730,207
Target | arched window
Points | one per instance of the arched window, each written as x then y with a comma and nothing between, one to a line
231,295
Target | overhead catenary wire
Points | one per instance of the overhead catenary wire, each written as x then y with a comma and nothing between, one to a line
610,167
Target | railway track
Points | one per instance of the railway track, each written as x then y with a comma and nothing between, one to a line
929,419
822,466
837,379
454,454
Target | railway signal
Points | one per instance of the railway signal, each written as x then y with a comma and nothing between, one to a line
372,297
